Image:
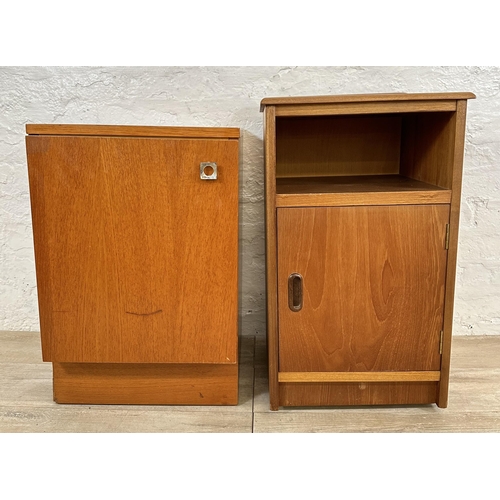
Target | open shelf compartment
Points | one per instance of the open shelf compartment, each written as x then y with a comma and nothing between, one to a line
398,158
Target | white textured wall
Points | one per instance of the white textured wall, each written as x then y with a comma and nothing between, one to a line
230,96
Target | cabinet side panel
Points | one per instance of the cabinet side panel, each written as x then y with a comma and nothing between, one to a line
427,148
139,255
271,265
456,190
34,149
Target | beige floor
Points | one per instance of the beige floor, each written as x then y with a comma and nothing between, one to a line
26,400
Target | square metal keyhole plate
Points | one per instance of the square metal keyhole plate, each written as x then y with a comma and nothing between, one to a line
208,170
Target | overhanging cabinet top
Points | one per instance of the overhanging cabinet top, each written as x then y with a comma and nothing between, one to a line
136,131
364,103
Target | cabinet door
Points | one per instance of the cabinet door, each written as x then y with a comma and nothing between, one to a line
136,256
372,287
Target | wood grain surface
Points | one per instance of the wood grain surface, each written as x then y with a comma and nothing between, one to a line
271,256
392,376
337,145
457,156
357,394
151,384
134,131
362,108
365,98
357,190
136,257
373,281
427,147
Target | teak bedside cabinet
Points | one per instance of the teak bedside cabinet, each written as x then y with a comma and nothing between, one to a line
362,213
136,249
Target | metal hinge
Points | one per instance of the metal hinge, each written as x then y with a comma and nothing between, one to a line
447,237
441,342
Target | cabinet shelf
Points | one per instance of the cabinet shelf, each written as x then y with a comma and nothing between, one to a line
357,190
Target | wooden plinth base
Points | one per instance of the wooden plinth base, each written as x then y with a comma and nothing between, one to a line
350,394
148,384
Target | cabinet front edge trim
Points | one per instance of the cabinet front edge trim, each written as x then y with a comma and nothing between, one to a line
410,376
133,131
340,200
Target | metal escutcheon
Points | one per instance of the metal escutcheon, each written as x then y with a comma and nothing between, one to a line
208,171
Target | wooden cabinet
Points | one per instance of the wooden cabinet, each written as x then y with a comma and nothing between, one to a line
362,212
136,249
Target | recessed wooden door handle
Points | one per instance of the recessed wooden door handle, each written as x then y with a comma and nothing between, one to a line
295,292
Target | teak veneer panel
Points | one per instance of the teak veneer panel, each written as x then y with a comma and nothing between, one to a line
357,394
361,108
352,199
364,98
357,190
123,383
271,263
134,131
373,288
338,145
136,256
415,376
457,155
428,143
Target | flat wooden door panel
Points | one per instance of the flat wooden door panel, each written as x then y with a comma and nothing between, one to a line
372,287
136,255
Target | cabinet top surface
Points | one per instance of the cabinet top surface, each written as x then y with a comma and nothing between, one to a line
134,131
363,98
